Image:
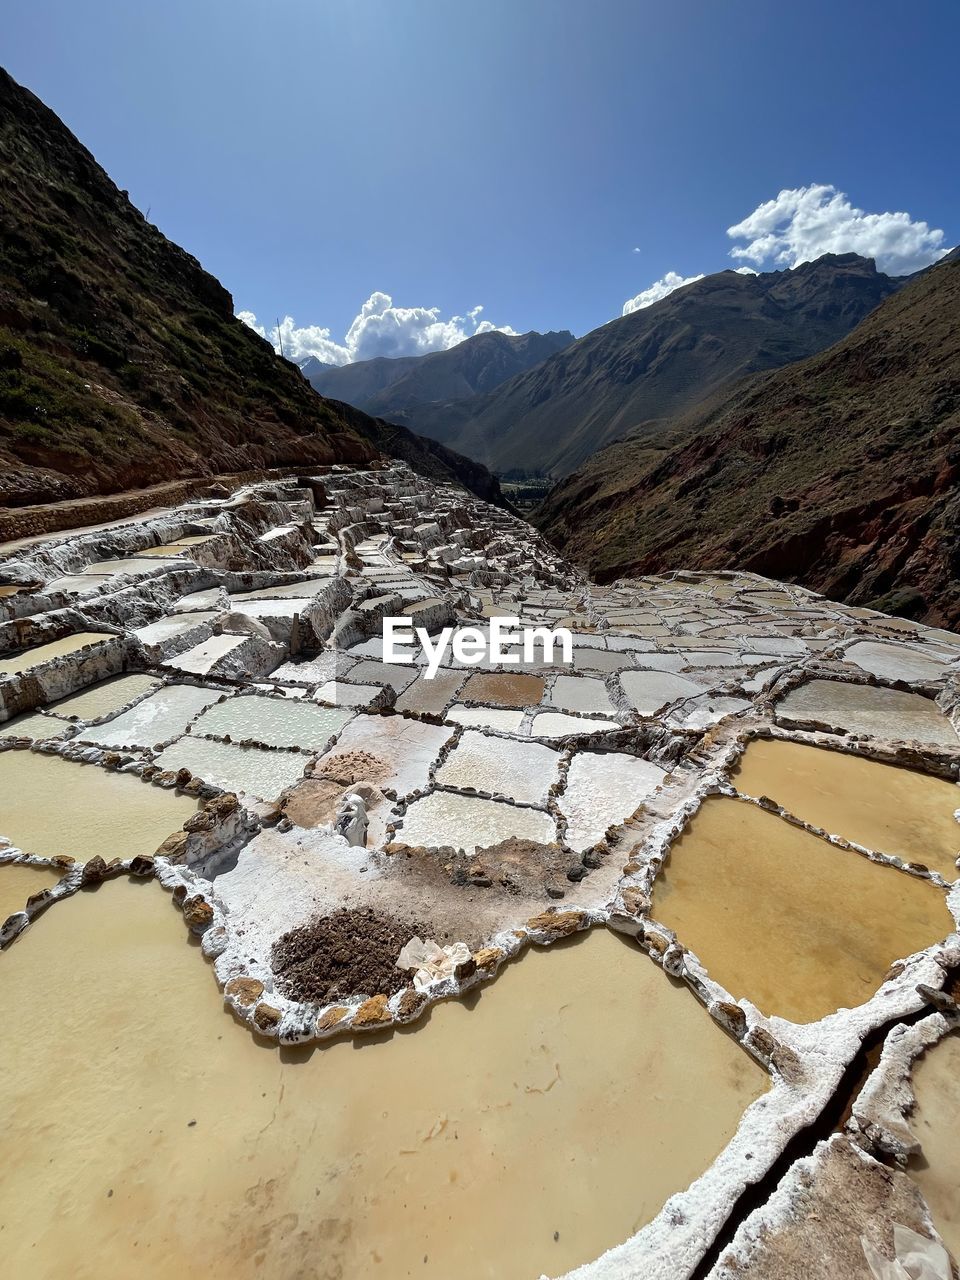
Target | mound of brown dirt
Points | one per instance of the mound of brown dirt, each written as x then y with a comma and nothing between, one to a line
347,767
352,952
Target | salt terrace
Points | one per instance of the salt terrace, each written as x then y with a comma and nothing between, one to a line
681,995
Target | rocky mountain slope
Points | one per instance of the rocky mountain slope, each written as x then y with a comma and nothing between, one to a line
398,388
647,367
840,472
121,361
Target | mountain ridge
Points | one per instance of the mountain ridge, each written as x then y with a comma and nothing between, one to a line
841,471
121,361
396,387
646,367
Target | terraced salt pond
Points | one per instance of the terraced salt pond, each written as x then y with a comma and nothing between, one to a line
470,822
602,790
50,806
786,919
895,662
356,1159
33,725
263,774
500,718
275,722
18,882
557,724
105,696
936,1170
54,649
570,693
649,691
165,714
521,771
869,709
885,808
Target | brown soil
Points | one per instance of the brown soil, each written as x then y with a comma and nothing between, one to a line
348,767
352,952
503,691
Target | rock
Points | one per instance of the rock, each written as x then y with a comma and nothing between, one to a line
142,865
372,1012
732,1017
559,924
781,1057
94,871
577,873
488,957
591,859
635,901
266,1018
332,1017
244,990
410,1003
197,913
174,847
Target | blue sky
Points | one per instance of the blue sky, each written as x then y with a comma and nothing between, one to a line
544,159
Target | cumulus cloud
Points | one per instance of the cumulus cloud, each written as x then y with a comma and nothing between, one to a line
379,329
804,222
659,289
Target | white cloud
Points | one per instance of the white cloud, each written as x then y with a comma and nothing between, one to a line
379,329
659,289
804,222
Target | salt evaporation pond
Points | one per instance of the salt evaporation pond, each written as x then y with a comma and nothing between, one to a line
275,722
105,696
936,1087
649,691
263,774
602,790
581,693
186,1145
786,919
164,715
471,822
895,661
33,725
557,724
869,709
52,806
500,718
521,771
55,649
881,806
18,881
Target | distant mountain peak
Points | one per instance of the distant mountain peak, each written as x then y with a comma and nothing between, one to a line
656,362
396,387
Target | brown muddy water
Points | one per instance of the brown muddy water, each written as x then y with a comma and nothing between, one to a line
880,806
50,806
778,915
18,882
522,1131
936,1086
